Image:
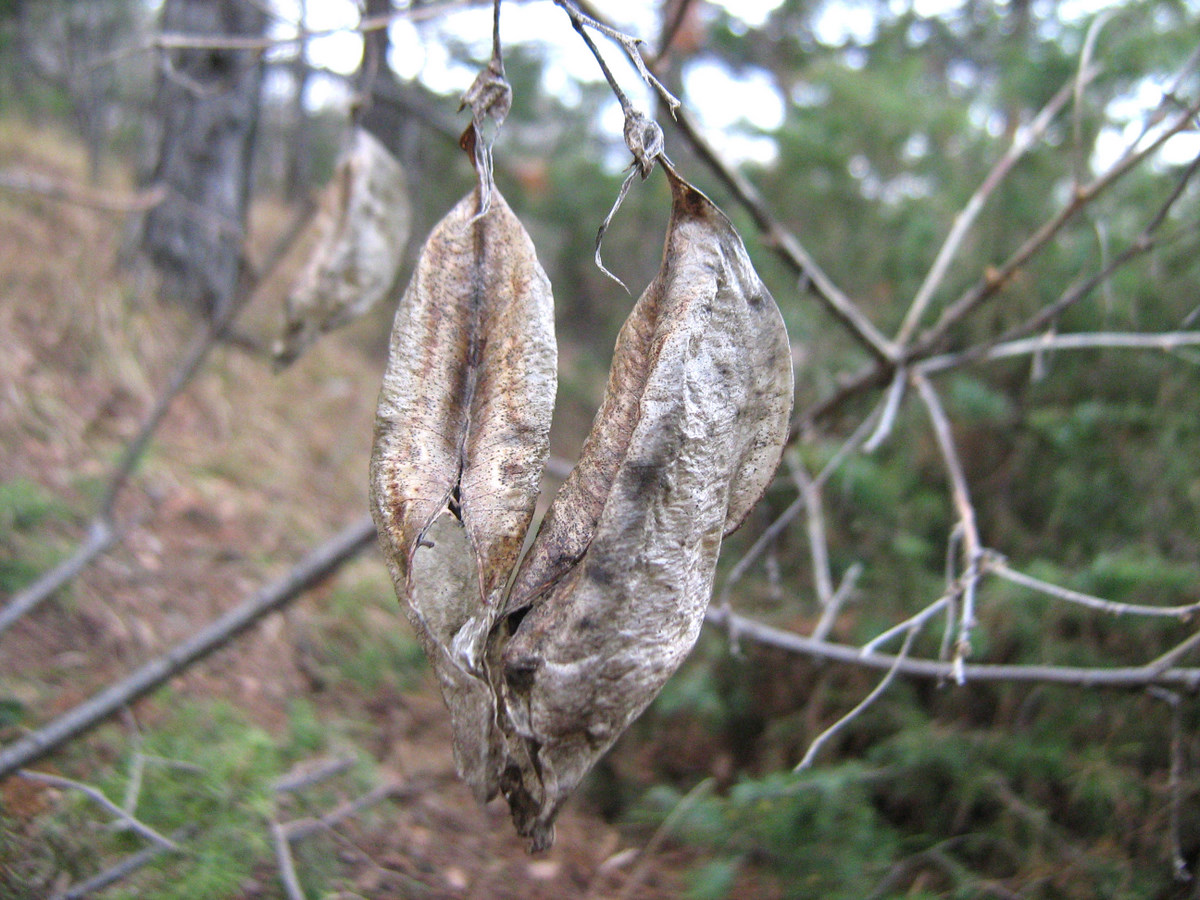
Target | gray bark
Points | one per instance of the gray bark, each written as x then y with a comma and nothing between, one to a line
208,112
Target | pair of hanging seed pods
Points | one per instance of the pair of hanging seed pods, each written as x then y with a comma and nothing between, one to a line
544,660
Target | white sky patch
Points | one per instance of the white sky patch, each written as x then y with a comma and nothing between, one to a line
749,98
753,12
406,54
342,50
757,101
838,23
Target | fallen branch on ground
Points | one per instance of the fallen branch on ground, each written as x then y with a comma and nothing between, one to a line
318,564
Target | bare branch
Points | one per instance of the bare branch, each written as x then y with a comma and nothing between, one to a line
787,247
1104,340
915,621
1022,141
1141,245
823,738
1077,676
97,797
299,829
833,608
891,408
972,546
996,565
817,543
318,564
287,866
122,869
35,183
629,44
1082,77
305,775
995,279
102,535
682,808
881,371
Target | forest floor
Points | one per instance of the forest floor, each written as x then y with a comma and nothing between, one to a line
249,470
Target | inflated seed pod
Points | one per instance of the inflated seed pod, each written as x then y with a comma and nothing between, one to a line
461,437
353,246
612,594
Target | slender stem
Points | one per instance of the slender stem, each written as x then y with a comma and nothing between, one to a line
1116,340
579,21
97,797
1123,677
994,280
319,563
497,50
787,247
1001,568
823,738
287,866
122,869
972,546
1022,141
907,625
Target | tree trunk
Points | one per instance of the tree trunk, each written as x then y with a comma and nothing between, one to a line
208,112
377,80
295,176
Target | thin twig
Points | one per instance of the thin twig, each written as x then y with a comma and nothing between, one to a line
830,613
299,829
1175,782
1022,141
102,535
817,542
41,185
682,808
629,44
1141,245
1172,656
318,564
97,797
1077,676
787,247
881,370
891,408
287,866
995,279
1100,340
122,869
305,775
823,738
914,621
1082,77
998,566
972,546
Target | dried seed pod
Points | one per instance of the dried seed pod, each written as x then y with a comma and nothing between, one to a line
461,437
354,245
688,436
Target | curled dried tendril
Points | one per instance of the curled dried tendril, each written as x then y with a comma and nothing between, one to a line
644,138
489,98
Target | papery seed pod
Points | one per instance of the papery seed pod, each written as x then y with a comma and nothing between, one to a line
688,436
354,246
461,437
